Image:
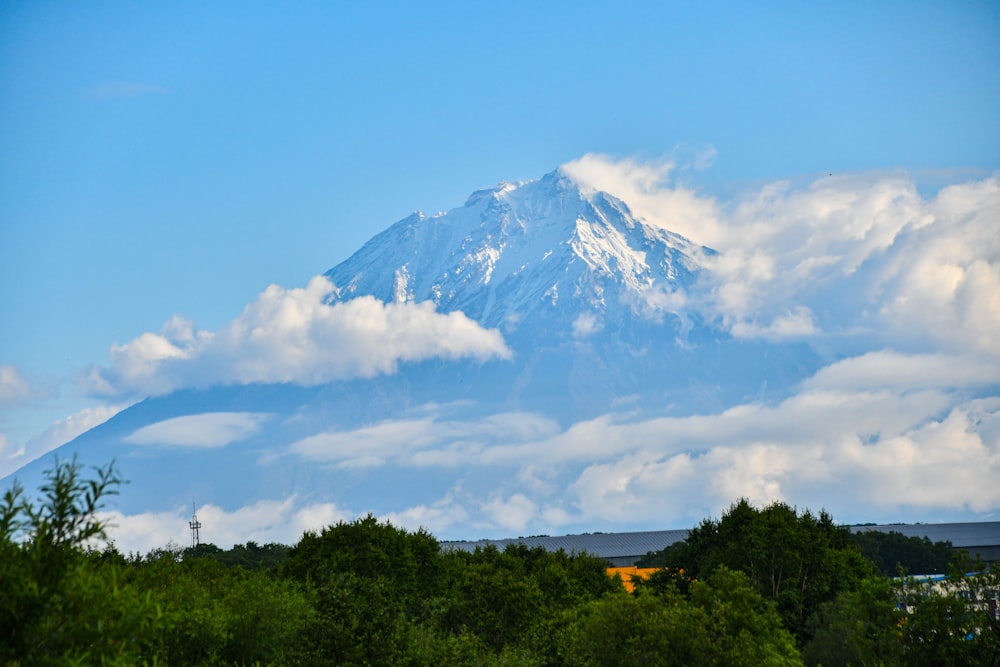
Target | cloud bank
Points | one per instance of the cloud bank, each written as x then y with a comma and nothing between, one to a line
14,386
859,438
58,433
843,255
264,521
210,429
293,335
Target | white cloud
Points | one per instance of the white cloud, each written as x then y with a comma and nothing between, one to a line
437,518
644,187
210,429
13,385
428,441
264,521
867,438
943,278
513,513
886,369
294,336
861,253
796,323
927,463
56,435
586,324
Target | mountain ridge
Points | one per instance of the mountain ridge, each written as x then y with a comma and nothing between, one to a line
517,250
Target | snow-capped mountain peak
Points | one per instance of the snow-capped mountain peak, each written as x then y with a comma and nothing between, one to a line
539,247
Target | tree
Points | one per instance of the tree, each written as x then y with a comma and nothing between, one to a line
859,627
218,615
723,621
495,598
515,598
370,581
57,604
798,560
952,621
893,551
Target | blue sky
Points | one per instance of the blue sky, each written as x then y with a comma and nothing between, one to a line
176,158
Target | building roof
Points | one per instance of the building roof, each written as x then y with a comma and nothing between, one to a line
961,535
606,545
623,546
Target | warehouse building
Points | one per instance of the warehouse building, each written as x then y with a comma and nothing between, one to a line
980,539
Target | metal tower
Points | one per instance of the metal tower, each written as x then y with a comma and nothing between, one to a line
195,527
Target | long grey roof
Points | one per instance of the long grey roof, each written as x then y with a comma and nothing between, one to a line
637,544
607,545
961,535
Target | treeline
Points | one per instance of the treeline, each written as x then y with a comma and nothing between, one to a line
759,586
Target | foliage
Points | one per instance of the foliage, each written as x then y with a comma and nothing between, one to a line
249,556
892,551
798,560
513,599
951,621
368,580
57,606
859,627
723,621
408,563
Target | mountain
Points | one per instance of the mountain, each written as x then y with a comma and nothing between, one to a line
542,251
590,299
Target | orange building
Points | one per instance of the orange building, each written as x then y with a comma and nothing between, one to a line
628,574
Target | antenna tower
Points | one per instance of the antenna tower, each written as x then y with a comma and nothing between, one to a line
195,527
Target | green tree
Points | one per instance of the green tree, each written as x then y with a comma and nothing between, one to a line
798,560
951,621
892,551
249,556
370,581
723,621
859,627
57,605
496,600
515,598
214,615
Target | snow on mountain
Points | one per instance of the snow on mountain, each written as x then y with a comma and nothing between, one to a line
524,250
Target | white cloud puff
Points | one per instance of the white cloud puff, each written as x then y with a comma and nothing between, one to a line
850,254
283,521
513,513
438,517
886,369
294,335
428,441
586,324
796,323
58,433
210,429
13,385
